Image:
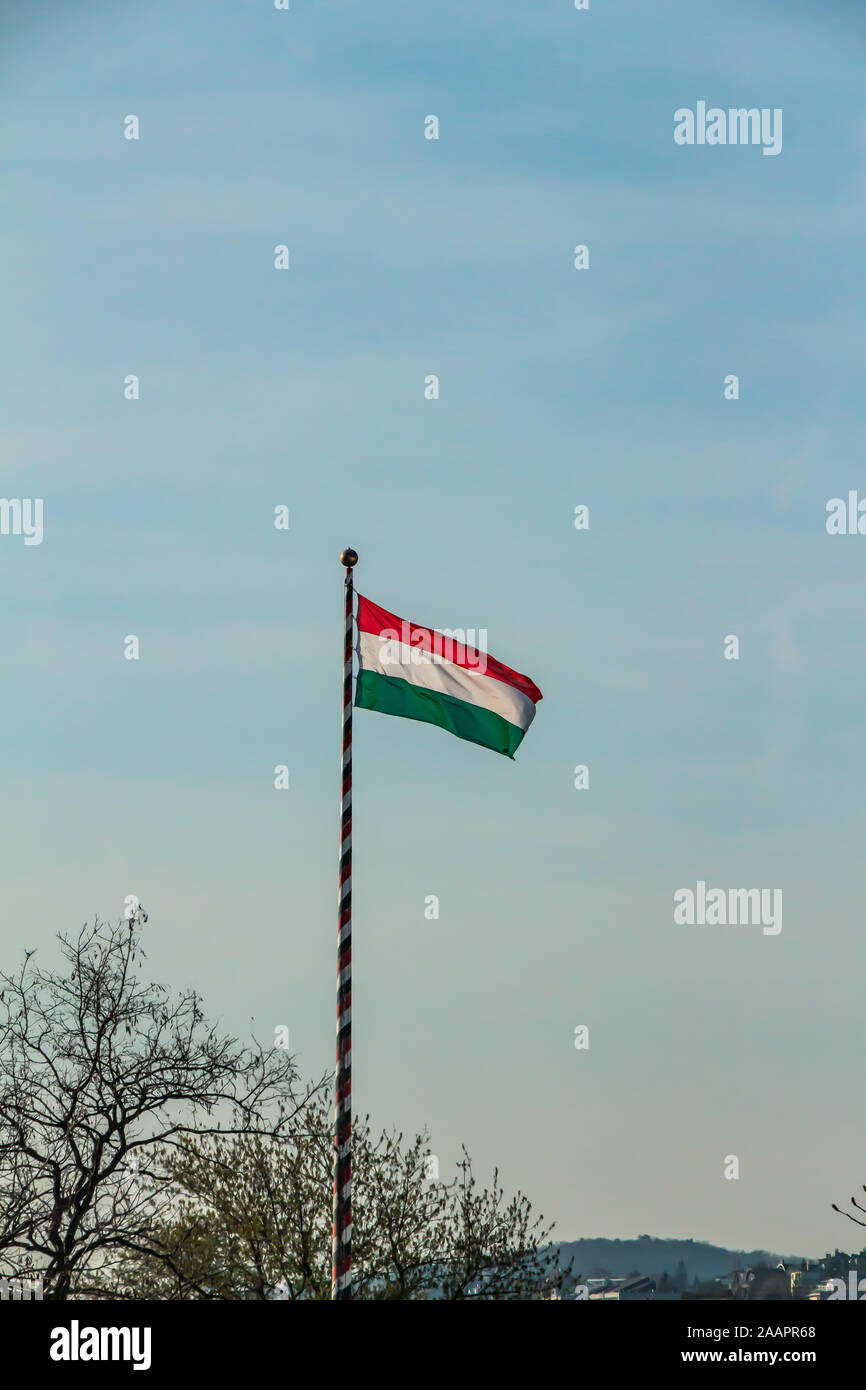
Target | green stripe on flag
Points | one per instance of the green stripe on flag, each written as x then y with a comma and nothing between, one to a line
392,695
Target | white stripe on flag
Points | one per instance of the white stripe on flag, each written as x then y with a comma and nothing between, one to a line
389,657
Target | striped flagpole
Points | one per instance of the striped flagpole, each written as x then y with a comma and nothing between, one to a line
341,1236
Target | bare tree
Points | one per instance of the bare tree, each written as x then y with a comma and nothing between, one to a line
854,1203
103,1075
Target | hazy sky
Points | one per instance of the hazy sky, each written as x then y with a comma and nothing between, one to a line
558,387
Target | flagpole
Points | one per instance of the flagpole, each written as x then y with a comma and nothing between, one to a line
341,1235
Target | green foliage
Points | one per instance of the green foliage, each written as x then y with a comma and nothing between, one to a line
252,1220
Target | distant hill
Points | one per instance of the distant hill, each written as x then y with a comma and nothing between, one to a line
653,1256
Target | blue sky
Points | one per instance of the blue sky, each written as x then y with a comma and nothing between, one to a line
558,387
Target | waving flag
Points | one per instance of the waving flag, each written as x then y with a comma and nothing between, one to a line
418,673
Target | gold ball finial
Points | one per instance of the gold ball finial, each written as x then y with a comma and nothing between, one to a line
349,558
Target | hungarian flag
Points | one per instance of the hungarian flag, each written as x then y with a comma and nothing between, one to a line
417,673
